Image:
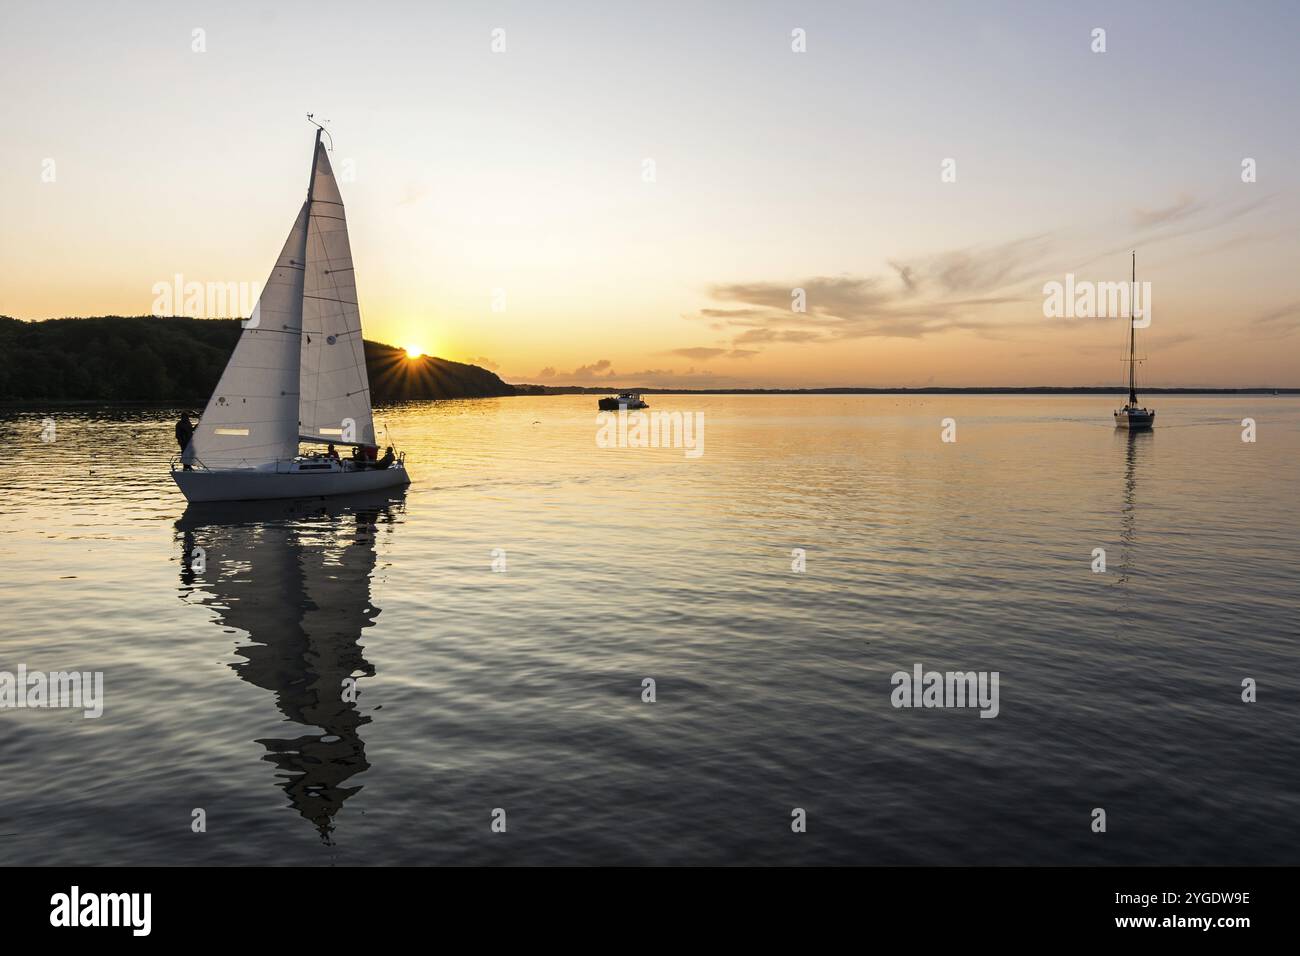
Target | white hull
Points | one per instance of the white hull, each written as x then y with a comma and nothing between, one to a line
249,484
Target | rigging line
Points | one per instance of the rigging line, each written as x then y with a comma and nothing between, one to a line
328,298
335,398
330,260
283,331
335,334
247,420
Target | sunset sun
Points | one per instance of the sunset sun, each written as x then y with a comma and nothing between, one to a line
413,351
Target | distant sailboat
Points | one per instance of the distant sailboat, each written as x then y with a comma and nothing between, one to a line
1133,415
298,373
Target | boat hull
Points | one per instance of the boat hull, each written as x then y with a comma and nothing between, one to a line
614,405
254,485
1134,420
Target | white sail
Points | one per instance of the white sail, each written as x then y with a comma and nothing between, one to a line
297,373
251,418
334,401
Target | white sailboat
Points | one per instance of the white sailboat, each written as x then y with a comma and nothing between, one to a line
1132,415
297,374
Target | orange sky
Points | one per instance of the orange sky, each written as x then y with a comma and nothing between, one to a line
520,178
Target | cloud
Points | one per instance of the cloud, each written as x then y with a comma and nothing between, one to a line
597,369
600,369
1181,209
959,289
927,295
668,378
763,336
1199,218
977,270
1281,321
905,275
705,354
730,313
486,362
700,354
1169,342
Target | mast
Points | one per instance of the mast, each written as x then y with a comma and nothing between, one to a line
1132,331
315,151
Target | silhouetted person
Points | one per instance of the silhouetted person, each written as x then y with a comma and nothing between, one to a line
184,432
387,460
358,460
332,452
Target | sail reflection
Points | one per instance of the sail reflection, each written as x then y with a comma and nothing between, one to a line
294,577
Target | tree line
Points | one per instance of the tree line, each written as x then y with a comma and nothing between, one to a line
149,359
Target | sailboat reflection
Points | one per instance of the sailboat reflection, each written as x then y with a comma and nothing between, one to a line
294,576
1132,438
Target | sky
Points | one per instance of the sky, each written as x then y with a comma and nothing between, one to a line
629,193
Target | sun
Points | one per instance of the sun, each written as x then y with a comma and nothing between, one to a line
413,351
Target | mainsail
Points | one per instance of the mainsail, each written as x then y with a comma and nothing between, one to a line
334,389
251,418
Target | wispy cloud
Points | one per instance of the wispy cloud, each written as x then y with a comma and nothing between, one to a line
704,354
923,296
1279,322
600,369
603,372
959,289
1186,218
1182,208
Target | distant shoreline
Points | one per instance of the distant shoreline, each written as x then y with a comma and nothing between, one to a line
928,390
177,361
576,390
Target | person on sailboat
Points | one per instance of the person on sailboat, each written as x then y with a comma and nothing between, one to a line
387,460
332,452
184,432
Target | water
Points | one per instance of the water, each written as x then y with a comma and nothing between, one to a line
522,690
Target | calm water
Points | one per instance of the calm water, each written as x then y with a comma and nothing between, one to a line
522,690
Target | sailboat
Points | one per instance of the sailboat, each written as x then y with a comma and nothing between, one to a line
1132,415
297,374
